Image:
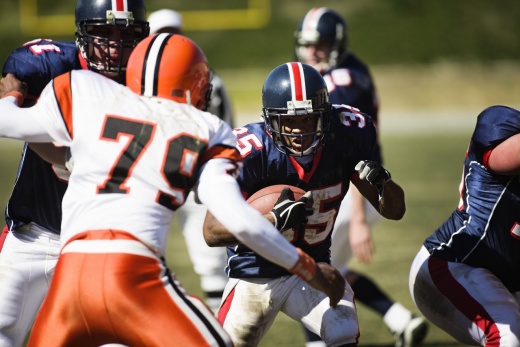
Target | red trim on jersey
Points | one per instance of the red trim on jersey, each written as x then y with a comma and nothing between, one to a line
82,62
63,94
485,158
298,78
306,176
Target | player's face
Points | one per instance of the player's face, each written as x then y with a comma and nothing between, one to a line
299,125
109,48
317,55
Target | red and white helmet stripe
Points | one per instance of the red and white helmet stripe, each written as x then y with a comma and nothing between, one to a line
120,10
298,89
297,81
311,19
120,5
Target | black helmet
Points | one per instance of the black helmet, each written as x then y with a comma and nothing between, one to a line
295,89
126,15
322,25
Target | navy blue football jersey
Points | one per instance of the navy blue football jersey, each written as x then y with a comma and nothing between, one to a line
484,231
38,192
350,83
352,138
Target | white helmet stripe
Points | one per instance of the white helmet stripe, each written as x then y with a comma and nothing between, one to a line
298,90
120,5
152,63
311,19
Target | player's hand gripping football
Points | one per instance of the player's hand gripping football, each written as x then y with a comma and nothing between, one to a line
374,173
289,213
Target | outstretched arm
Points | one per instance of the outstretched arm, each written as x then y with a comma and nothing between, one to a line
15,122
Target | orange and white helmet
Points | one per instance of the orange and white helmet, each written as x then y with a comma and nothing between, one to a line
170,66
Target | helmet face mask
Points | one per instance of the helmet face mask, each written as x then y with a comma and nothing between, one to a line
296,109
302,143
325,28
106,35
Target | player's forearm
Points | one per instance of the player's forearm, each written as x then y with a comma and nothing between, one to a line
392,205
50,153
358,211
215,234
220,193
21,123
504,159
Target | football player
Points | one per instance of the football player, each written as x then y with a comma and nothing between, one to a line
306,142
106,32
321,40
208,263
152,145
464,279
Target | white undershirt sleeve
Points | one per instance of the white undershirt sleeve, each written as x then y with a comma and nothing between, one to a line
21,123
220,192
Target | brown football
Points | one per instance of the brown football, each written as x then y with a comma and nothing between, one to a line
265,199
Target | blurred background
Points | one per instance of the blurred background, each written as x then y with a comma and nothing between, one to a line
436,65
441,54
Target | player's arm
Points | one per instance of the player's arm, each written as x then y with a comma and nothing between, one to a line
216,235
374,183
9,85
219,191
50,153
15,122
286,213
360,232
504,159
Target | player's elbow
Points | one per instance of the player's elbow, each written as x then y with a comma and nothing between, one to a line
393,205
395,214
215,234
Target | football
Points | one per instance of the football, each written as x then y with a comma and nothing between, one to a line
265,199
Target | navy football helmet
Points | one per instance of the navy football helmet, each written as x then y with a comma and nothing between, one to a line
322,25
295,89
128,16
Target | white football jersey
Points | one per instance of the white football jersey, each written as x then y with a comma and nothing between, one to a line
135,158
